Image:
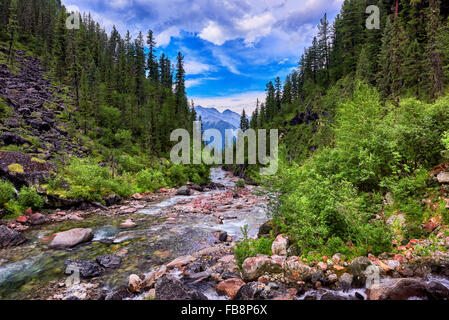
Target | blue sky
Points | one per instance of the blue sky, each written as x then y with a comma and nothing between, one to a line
232,48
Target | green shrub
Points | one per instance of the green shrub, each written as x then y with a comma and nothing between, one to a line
150,180
251,247
177,175
6,192
29,198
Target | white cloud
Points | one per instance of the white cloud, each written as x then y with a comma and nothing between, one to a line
198,81
214,33
194,67
163,39
235,102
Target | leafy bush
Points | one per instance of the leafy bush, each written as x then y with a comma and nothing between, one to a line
150,180
29,198
90,181
251,247
6,192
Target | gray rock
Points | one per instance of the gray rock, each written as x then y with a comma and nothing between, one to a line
183,191
358,267
87,269
443,177
71,238
170,288
10,238
250,291
111,261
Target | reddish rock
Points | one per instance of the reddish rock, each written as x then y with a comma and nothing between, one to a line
255,267
295,270
400,258
322,266
431,225
22,219
279,246
127,224
230,287
264,279
137,196
71,238
180,261
29,211
37,219
397,289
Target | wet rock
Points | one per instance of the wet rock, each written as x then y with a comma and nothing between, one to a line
87,269
230,287
71,238
221,235
295,270
443,177
119,293
180,261
197,187
134,283
170,288
183,191
10,238
110,261
398,289
345,281
265,229
279,246
255,267
128,223
329,296
437,291
112,199
250,291
37,219
358,267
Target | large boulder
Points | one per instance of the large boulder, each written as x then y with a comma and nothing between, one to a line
230,287
86,269
255,267
358,267
295,270
280,245
170,288
23,170
10,238
183,191
250,291
405,288
71,238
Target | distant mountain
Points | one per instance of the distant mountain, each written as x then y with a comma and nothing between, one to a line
214,119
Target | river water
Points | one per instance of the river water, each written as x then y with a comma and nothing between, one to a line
26,271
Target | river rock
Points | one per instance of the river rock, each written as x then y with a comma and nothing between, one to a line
183,191
255,267
71,238
111,261
358,267
180,261
280,245
87,269
37,219
443,177
112,199
265,229
170,288
10,238
230,287
296,270
134,283
250,291
437,291
345,281
397,289
128,223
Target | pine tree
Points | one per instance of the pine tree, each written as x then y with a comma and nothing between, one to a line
244,122
60,49
12,29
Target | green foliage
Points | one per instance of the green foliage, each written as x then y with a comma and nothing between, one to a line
150,180
29,198
251,247
240,184
5,110
6,192
445,141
